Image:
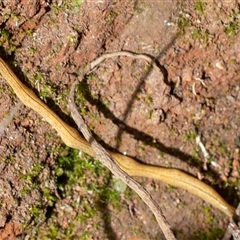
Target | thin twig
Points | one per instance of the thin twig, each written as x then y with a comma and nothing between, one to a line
5,122
233,226
104,157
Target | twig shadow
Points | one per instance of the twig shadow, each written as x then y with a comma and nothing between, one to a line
139,135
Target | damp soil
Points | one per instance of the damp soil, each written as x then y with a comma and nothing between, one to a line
151,115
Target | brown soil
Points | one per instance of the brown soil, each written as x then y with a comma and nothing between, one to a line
153,116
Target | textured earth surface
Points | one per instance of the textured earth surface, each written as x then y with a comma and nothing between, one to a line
152,116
